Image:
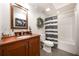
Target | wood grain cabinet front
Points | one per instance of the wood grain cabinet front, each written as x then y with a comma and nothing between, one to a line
34,46
16,49
26,47
0,51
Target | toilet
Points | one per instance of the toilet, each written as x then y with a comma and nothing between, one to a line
46,44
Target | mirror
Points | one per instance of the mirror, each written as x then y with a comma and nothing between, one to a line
19,16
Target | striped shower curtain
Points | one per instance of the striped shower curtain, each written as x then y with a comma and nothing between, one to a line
51,29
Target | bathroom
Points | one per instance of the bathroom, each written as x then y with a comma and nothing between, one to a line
64,18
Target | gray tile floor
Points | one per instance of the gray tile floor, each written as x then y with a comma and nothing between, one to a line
55,52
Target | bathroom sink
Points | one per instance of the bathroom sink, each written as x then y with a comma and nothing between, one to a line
23,37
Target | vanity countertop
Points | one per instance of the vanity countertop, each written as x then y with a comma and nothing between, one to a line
14,39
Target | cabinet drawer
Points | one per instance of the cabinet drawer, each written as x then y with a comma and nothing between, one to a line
15,45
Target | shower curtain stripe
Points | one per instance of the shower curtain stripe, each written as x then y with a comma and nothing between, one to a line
51,29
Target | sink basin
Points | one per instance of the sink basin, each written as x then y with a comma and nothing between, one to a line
23,37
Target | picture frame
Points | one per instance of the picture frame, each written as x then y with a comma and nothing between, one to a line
19,16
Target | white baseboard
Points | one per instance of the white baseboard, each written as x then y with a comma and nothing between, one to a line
67,47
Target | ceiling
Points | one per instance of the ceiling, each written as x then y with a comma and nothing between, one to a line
41,7
60,5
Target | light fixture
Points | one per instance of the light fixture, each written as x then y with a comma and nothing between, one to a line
47,9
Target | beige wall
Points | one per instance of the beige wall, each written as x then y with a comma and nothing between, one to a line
5,21
0,18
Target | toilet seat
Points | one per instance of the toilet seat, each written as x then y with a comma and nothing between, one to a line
48,43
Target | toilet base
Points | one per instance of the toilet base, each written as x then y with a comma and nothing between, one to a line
47,48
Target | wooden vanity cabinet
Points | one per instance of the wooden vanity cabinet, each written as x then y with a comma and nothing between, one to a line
25,47
34,46
0,51
16,49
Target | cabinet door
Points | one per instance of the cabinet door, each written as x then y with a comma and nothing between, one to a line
34,46
0,51
16,49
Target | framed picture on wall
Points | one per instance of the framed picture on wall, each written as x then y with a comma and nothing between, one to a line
20,22
19,16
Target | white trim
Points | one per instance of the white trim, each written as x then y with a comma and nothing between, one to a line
69,47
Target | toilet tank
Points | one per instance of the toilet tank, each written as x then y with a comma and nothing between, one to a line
42,37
